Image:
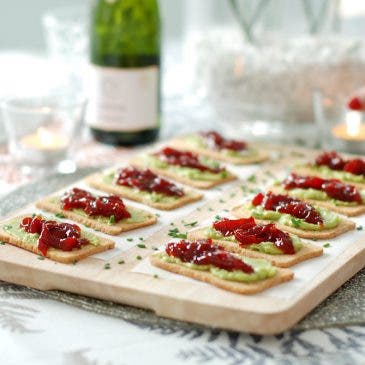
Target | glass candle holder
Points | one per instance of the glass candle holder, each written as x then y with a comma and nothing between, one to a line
340,128
41,132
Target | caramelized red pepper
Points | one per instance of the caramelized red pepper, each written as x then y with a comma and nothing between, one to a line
217,141
184,159
288,205
204,252
247,232
333,188
63,236
334,161
146,180
105,206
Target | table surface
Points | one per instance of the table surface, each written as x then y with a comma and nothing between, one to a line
38,330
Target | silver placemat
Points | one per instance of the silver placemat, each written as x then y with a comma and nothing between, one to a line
345,307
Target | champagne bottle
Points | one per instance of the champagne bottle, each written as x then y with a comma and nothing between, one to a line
124,100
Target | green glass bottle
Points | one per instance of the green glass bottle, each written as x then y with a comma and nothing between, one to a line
124,99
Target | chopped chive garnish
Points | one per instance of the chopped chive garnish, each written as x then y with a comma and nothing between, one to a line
60,215
192,224
222,201
252,178
40,257
107,266
154,248
139,257
327,245
112,219
2,243
359,227
217,217
121,262
8,226
141,245
295,221
129,239
158,215
155,276
210,209
175,233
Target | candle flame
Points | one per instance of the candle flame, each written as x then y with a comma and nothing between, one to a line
353,123
46,138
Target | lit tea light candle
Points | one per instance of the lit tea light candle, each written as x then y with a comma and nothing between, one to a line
44,140
351,135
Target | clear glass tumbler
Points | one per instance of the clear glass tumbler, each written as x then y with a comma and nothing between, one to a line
41,132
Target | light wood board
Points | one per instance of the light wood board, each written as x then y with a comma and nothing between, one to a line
190,301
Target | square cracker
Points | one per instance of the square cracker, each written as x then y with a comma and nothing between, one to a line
259,156
308,251
65,257
113,229
350,211
344,226
281,276
96,181
200,184
307,171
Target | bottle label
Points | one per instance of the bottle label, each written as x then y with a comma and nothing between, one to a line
123,99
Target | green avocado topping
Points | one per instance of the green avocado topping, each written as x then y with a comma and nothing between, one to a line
262,269
330,219
151,196
137,215
190,173
314,194
335,174
196,141
31,239
264,247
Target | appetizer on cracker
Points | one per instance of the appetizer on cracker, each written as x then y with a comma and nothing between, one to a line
247,238
205,261
107,214
186,167
333,194
144,186
62,242
332,165
212,144
295,216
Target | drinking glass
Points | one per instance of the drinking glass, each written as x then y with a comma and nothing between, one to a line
42,131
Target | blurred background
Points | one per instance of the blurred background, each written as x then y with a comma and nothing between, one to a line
245,65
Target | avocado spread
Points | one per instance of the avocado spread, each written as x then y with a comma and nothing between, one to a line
336,174
193,174
264,247
262,269
14,229
330,219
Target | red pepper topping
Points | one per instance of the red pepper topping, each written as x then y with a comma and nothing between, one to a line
184,159
204,252
333,188
217,141
334,161
146,180
247,232
289,205
105,206
63,236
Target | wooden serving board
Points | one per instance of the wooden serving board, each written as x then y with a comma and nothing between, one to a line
134,283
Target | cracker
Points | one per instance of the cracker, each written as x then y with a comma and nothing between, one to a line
281,276
200,184
112,229
96,181
350,211
344,226
65,257
259,155
307,171
308,251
